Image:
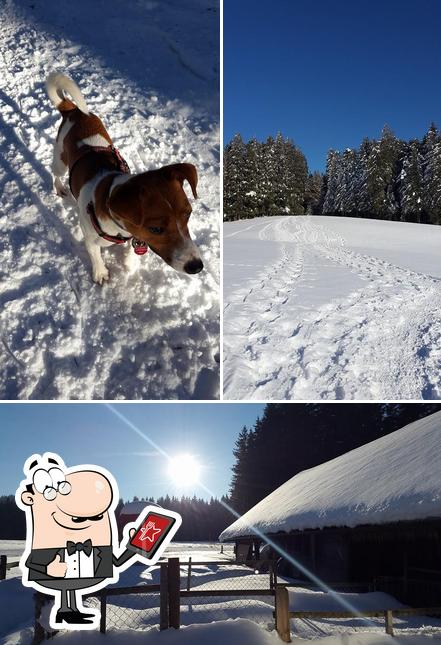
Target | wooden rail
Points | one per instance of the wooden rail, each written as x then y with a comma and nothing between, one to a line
283,614
124,591
271,568
206,593
5,566
332,585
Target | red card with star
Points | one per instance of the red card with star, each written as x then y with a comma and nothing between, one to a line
151,533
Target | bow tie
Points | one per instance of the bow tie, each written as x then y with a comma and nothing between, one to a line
73,547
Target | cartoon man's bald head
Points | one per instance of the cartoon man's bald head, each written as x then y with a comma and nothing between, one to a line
66,504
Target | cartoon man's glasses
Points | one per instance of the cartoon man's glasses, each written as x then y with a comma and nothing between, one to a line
50,483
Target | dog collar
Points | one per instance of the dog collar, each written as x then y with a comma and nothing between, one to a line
116,239
139,247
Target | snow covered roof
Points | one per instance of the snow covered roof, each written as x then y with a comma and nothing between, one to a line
392,479
135,508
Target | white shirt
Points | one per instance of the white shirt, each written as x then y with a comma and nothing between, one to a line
79,565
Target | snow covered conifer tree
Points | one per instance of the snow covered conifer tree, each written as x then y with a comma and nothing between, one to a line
313,193
296,175
410,183
333,179
431,162
234,179
270,177
382,170
263,178
254,168
347,189
362,199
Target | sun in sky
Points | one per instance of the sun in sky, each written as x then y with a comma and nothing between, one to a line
184,470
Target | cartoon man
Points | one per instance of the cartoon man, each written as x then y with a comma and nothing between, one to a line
71,546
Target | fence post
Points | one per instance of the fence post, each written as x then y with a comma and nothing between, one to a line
282,614
275,571
39,632
2,567
189,574
174,593
271,574
388,616
163,598
103,610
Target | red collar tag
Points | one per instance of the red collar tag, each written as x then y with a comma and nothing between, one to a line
139,246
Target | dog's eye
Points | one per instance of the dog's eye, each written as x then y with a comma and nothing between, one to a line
156,230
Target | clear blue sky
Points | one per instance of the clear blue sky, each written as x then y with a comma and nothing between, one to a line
329,72
91,433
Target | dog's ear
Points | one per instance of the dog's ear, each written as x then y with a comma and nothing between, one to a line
123,199
181,171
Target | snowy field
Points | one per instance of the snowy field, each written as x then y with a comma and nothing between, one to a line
149,69
218,619
197,551
331,308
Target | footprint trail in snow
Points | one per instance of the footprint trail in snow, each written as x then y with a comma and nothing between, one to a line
320,308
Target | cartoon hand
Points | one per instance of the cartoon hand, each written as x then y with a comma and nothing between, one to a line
56,568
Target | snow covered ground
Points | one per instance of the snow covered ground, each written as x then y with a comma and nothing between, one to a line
149,69
197,551
217,619
331,308
233,632
200,551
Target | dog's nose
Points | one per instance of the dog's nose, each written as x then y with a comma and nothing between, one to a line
193,266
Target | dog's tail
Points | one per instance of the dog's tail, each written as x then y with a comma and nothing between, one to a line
56,85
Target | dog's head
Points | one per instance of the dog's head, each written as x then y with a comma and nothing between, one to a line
154,208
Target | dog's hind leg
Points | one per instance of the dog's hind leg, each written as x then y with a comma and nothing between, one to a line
59,169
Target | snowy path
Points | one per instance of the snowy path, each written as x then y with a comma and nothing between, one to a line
150,333
324,308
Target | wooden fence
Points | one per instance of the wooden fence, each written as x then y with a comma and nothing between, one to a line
170,592
176,593
170,595
5,566
283,614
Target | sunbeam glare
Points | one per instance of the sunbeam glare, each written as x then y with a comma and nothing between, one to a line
253,529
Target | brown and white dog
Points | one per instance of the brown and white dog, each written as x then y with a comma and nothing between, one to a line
147,210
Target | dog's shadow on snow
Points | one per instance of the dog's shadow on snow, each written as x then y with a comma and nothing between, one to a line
13,139
29,193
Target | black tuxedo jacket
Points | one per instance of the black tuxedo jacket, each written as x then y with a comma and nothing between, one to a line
103,559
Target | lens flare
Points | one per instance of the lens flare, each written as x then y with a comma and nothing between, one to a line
253,529
184,470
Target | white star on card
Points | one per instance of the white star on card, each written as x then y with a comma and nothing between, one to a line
149,532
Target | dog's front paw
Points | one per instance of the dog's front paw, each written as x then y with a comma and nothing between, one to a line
100,275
